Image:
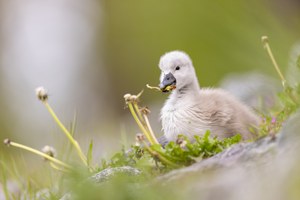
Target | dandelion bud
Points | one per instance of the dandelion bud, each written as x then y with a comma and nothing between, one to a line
264,39
139,137
49,151
133,98
6,141
145,110
41,93
181,142
127,96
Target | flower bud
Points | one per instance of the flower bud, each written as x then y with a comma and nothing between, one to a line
145,110
181,142
49,151
133,98
127,96
41,93
139,137
6,141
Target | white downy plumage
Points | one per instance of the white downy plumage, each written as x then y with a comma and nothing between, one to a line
190,110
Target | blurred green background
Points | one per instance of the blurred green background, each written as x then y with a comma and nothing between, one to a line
90,53
220,36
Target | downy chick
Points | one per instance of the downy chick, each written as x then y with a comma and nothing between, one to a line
190,110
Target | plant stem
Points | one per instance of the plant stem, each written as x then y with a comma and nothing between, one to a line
54,166
155,88
131,108
145,122
67,133
150,129
54,160
265,42
136,107
160,157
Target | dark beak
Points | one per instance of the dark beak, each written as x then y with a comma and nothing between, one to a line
169,80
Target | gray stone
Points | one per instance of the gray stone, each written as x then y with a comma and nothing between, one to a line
264,169
106,175
290,131
111,172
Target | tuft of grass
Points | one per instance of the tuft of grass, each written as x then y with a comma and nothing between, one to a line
179,154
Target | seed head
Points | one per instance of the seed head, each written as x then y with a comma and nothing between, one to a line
41,93
6,142
49,151
181,142
139,137
145,110
264,39
127,96
133,98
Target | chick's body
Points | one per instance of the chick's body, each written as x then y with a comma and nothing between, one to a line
190,110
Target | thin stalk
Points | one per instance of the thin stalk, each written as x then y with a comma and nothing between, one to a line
145,122
54,166
69,147
136,107
131,108
155,88
150,129
159,156
54,160
268,48
67,133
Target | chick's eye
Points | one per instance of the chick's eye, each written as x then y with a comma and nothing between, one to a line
177,68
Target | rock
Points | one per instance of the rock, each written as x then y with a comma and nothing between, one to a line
243,153
265,169
107,174
290,131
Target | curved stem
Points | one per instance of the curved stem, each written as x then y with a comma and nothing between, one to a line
131,108
153,88
67,133
268,48
136,107
54,166
54,160
150,129
160,157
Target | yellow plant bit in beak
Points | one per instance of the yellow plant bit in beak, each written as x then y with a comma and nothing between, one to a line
166,89
153,87
169,88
